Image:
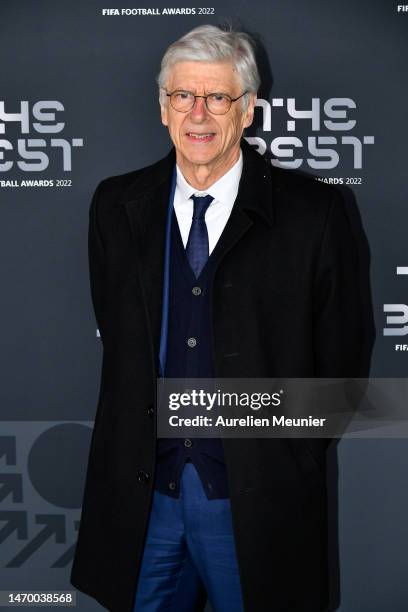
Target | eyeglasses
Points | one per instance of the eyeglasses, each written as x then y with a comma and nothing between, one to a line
216,103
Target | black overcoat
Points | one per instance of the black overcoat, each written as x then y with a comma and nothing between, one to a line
286,302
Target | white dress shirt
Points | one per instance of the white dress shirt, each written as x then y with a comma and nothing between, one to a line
224,191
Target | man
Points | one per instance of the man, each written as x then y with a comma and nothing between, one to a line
212,262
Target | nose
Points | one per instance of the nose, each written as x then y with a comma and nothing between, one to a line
199,110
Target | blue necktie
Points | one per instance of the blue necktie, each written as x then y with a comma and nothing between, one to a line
197,244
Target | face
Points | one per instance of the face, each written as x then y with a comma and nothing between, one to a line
224,131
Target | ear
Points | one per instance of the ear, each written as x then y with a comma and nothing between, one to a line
164,111
249,114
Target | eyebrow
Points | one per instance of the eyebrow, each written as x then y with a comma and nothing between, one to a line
216,91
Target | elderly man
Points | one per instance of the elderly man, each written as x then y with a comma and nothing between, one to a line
212,262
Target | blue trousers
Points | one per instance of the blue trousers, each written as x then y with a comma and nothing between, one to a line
189,551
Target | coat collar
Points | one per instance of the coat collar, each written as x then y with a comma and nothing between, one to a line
254,194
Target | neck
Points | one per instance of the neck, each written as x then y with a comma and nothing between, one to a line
202,176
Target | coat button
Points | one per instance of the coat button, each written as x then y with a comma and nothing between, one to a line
192,342
196,290
142,476
150,410
188,443
172,486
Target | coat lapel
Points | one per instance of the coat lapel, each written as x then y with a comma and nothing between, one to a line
146,204
253,202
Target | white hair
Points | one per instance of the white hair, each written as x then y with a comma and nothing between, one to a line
208,43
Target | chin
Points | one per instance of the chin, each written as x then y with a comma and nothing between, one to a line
199,157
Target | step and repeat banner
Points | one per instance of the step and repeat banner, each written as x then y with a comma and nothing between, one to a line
78,103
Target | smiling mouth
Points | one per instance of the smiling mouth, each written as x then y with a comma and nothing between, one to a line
200,136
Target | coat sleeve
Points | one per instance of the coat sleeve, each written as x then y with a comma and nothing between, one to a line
97,263
338,317
342,312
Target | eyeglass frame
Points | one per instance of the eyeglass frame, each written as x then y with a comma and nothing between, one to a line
205,98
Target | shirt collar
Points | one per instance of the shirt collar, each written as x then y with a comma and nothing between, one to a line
225,186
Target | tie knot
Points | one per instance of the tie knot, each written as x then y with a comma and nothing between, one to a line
201,203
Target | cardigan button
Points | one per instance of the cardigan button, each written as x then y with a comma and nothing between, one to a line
196,290
192,342
150,410
142,476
